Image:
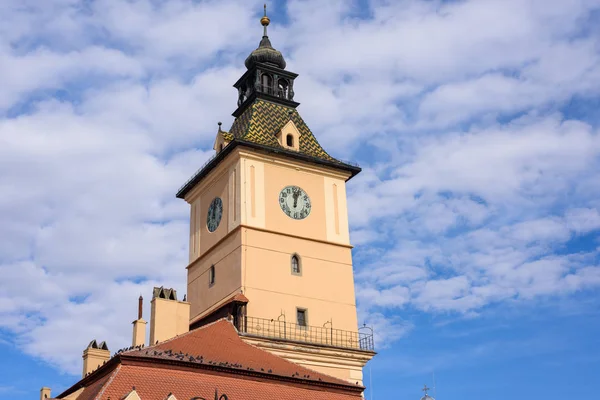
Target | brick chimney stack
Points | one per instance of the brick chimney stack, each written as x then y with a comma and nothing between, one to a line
139,326
170,317
94,356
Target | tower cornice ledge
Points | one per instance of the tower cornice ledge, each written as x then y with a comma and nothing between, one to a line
255,228
196,178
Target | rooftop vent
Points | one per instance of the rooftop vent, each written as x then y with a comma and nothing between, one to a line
94,345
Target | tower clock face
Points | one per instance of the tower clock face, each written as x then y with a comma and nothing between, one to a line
294,202
215,212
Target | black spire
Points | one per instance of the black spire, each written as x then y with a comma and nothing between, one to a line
266,76
265,53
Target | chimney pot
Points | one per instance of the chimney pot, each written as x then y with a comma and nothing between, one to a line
140,305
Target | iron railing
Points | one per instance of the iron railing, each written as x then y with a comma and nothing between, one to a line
197,171
278,329
353,163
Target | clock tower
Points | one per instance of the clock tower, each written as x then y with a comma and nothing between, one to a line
269,238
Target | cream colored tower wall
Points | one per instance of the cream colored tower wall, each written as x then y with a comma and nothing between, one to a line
253,192
222,182
264,177
227,259
336,217
325,287
256,259
251,251
234,204
220,248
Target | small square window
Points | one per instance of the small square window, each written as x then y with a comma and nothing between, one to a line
301,316
211,275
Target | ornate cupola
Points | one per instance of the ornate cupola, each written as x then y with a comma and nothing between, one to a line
266,76
266,117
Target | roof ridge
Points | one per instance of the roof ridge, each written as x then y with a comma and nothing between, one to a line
155,380
180,335
107,383
281,371
305,382
313,135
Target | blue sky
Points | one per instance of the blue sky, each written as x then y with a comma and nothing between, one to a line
475,219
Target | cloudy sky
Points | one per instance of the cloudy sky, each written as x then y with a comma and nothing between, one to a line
476,217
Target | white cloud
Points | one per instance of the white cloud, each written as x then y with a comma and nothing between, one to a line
43,69
109,106
583,220
550,78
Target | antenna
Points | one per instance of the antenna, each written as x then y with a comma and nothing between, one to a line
434,392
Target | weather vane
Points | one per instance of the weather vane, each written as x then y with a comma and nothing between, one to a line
427,396
265,21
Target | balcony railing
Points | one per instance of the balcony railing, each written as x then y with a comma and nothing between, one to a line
322,335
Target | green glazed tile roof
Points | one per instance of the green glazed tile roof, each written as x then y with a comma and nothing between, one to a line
227,136
257,127
262,120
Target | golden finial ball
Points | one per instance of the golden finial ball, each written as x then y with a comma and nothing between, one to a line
264,21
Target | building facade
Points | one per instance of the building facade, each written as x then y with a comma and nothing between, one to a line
270,274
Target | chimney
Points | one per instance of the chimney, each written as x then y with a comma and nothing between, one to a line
94,356
139,326
45,393
169,317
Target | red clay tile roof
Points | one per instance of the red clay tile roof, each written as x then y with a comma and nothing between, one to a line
239,297
155,383
197,362
92,390
219,344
